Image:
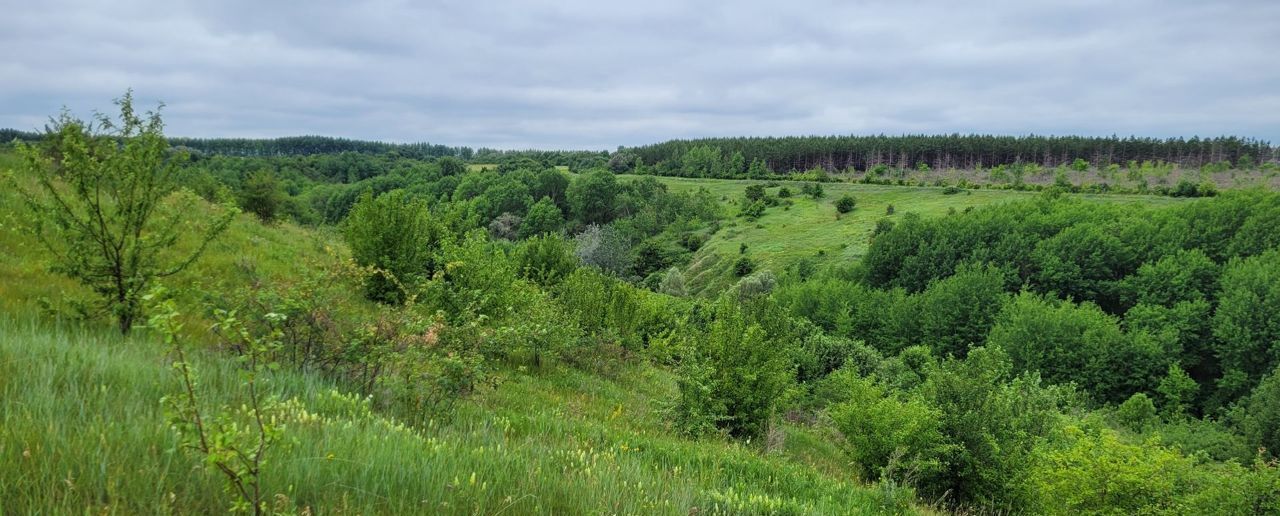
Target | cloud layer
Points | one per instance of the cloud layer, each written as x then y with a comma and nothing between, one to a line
585,74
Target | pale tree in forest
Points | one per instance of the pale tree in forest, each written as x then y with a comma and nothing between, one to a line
103,200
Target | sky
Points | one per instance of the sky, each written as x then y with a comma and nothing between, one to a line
591,74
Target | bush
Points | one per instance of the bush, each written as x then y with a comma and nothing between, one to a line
845,204
606,248
813,190
743,266
546,259
784,192
399,239
1138,413
736,379
753,210
879,429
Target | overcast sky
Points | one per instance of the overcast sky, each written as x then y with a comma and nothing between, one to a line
598,74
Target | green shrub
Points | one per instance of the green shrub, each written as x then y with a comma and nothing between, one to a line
399,239
879,429
545,259
1138,413
845,203
737,379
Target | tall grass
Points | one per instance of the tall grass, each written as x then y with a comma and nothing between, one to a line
81,430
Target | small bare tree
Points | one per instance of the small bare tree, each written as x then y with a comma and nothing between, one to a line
97,193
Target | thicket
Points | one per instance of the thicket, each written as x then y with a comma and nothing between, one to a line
1070,336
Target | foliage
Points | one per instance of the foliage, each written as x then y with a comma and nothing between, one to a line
1247,322
234,441
605,248
106,206
263,195
1137,413
736,380
845,204
543,218
1077,343
399,238
591,197
879,429
546,260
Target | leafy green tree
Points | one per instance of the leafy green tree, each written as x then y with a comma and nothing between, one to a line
1077,343
104,205
1185,275
702,161
398,238
451,166
956,313
736,165
1247,322
591,197
991,422
759,169
606,248
740,376
1261,423
1138,413
553,184
754,192
1177,391
543,218
1083,262
263,195
752,210
507,195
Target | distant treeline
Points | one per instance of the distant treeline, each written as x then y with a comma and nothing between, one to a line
835,153
322,145
781,154
312,145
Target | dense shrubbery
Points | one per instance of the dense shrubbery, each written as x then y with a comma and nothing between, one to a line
1158,312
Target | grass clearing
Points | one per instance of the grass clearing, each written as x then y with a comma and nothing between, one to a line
812,228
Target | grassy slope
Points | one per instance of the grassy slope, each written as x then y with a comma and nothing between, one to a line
81,429
809,227
81,426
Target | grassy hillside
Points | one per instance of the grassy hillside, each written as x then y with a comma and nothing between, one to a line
82,427
811,228
82,430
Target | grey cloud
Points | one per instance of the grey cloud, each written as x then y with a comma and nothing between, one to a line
583,74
